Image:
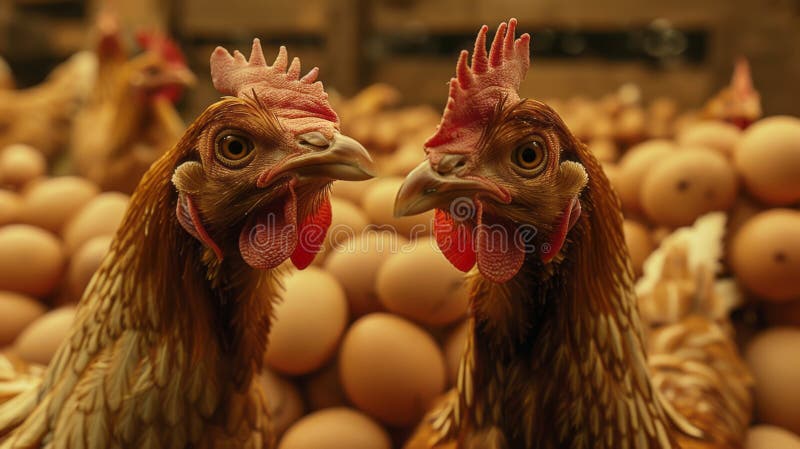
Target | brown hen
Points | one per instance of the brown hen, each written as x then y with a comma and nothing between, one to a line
172,329
556,354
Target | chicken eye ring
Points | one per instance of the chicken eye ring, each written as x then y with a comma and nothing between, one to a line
530,158
233,149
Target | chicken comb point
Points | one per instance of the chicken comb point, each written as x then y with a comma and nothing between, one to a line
300,103
480,84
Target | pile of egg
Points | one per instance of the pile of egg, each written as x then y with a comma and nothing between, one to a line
368,337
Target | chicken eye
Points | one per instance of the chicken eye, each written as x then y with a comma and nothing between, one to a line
530,156
233,148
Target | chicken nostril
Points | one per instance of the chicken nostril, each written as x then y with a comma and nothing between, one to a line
450,163
314,139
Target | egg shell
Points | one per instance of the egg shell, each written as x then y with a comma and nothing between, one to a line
50,204
308,322
352,191
16,313
31,260
347,221
391,368
774,359
100,216
765,254
323,389
771,437
355,265
687,184
84,264
283,399
10,207
20,164
713,134
633,168
405,159
640,243
379,207
42,338
605,150
768,158
419,283
454,347
336,428
630,124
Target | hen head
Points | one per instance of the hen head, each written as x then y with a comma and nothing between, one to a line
504,174
254,182
160,70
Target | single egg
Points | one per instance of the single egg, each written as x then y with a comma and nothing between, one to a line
100,216
283,399
771,437
687,184
419,283
336,428
10,207
454,347
633,167
379,206
768,158
16,313
323,389
308,322
391,368
84,264
605,150
774,359
640,243
765,254
355,264
20,164
718,136
50,204
39,341
352,191
31,260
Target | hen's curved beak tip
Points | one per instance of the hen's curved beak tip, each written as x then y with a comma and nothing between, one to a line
414,195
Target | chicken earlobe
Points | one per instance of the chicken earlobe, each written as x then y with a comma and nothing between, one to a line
187,179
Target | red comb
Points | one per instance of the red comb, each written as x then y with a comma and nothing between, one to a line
742,81
159,42
477,89
299,103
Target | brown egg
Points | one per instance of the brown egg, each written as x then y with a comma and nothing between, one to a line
379,206
633,167
405,159
31,260
765,254
42,338
420,284
84,263
687,184
640,243
100,216
50,204
20,164
10,207
323,389
454,347
771,437
16,312
391,368
336,428
774,359
308,322
630,124
352,191
284,401
718,136
768,158
355,264
605,150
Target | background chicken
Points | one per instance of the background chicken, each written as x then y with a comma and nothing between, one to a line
173,327
738,103
130,119
556,354
42,116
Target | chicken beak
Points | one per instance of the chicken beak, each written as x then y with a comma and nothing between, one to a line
343,159
424,189
183,76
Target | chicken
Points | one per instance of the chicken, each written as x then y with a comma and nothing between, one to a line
738,103
42,116
130,119
556,351
171,331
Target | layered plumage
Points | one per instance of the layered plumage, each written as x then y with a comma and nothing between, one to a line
557,355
